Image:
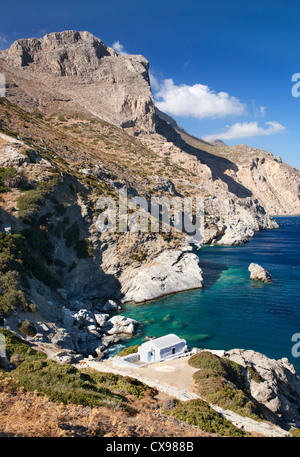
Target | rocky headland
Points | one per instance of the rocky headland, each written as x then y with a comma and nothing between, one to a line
79,123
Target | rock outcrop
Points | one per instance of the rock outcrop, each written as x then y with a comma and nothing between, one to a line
277,390
257,272
170,272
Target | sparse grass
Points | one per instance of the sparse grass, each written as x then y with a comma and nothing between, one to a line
138,256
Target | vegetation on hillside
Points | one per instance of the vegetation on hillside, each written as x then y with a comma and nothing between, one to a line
65,383
223,382
199,413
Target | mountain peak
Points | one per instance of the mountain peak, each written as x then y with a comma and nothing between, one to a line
79,68
82,50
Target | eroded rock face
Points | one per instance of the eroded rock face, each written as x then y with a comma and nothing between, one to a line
279,390
233,221
169,272
78,69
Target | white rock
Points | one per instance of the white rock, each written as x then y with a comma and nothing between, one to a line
101,318
257,272
279,391
84,317
170,272
120,324
67,317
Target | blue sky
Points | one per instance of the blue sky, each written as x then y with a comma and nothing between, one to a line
221,69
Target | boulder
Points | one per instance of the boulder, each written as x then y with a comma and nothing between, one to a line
258,273
101,318
111,305
120,325
84,317
63,339
67,317
108,340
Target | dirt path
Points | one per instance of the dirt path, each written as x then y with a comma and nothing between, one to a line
174,378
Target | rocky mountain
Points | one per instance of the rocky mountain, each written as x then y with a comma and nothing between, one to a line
75,70
78,124
266,178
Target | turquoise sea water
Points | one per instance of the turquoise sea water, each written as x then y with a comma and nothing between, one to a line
232,311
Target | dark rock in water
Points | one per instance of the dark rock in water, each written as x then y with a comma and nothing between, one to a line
149,338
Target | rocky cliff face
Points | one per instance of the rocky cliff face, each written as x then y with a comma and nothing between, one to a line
278,388
75,69
256,173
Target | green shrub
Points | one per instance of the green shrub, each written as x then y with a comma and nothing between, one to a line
139,257
223,382
27,328
11,177
71,235
39,243
295,432
11,297
24,257
33,308
123,384
32,155
61,383
34,261
128,350
207,360
254,375
84,249
199,413
30,201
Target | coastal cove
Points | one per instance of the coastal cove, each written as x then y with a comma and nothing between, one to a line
232,311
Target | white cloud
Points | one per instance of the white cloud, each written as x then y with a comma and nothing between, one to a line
119,48
246,130
262,110
154,81
4,42
197,101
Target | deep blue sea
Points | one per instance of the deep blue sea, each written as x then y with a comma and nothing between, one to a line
232,311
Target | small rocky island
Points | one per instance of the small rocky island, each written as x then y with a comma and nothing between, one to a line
258,273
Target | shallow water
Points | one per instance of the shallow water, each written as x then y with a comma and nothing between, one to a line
232,311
